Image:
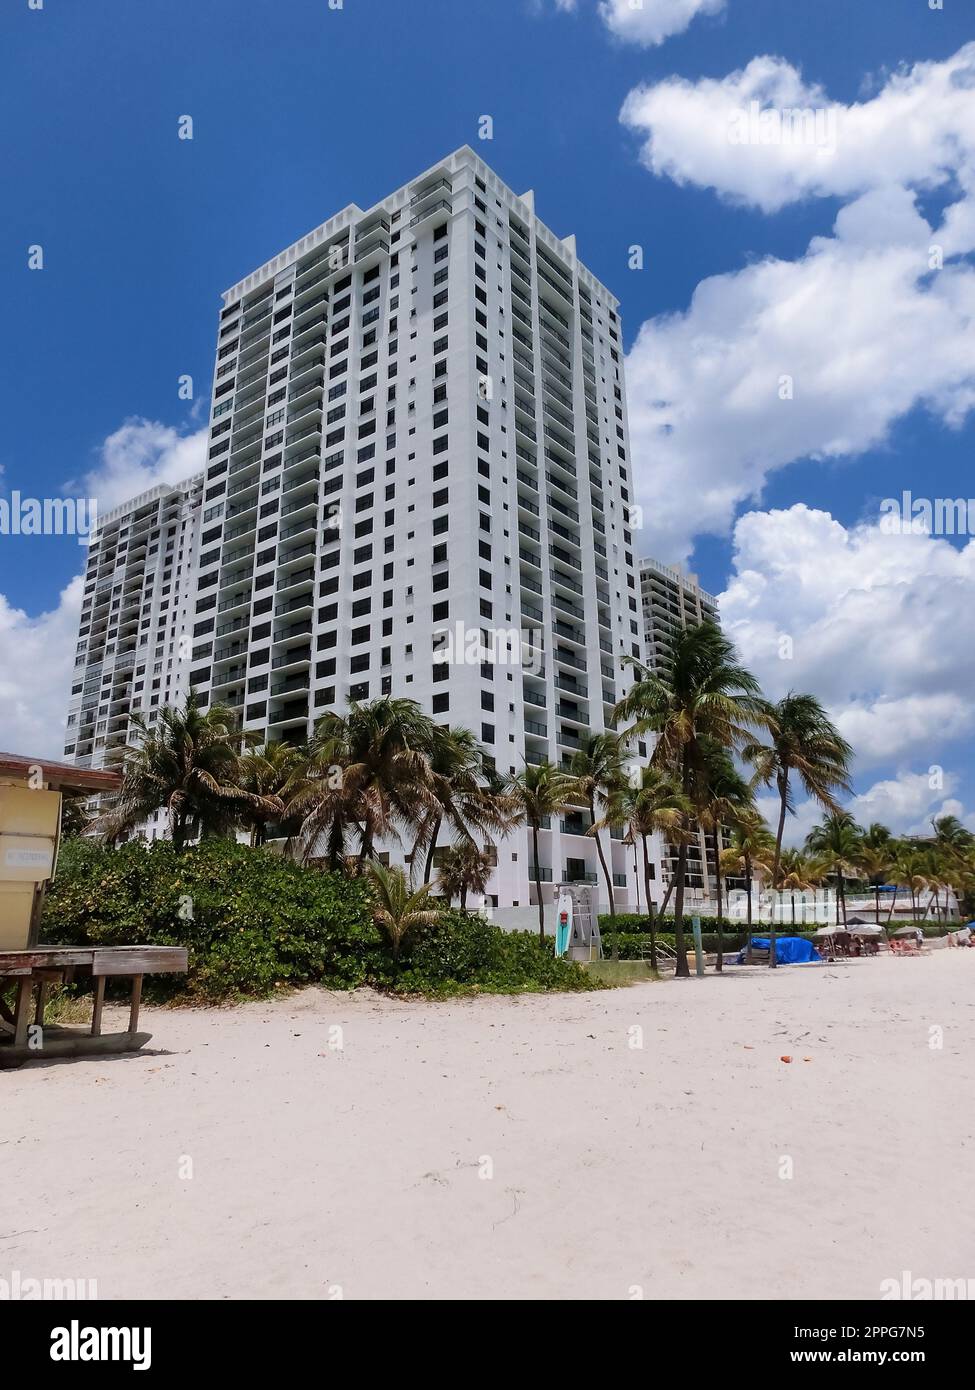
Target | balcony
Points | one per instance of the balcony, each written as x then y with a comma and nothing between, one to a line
297,656
440,206
293,713
292,581
576,825
369,245
291,685
441,185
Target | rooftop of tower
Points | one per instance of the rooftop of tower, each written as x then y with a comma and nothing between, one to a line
522,204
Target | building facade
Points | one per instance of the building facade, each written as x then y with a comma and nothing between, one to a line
672,600
418,483
137,614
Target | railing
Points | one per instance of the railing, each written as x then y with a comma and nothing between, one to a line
428,212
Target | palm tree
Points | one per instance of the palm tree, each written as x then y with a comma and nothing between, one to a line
749,856
953,847
722,795
537,793
596,774
189,766
398,909
656,806
804,746
912,871
273,774
76,819
703,692
467,794
369,777
837,841
464,868
799,872
875,862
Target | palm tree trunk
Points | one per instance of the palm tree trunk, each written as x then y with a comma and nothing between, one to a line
893,904
748,909
615,954
682,968
783,781
650,916
719,963
431,850
843,896
538,884
667,896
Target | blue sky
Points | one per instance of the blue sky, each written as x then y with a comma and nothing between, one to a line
299,109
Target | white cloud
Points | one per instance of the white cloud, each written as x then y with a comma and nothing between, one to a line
858,330
918,130
650,22
905,803
36,664
647,22
873,621
137,456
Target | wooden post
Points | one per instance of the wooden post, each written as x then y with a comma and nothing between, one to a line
22,1012
134,1006
96,1012
41,1002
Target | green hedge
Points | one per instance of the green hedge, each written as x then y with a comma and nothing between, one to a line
249,919
462,953
253,922
636,945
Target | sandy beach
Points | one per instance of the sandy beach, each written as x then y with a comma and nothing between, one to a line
626,1143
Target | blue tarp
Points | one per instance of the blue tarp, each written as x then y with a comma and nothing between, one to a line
789,950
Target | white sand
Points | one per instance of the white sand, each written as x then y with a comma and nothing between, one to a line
613,1166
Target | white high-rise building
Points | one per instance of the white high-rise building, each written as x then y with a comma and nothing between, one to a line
671,599
137,614
418,483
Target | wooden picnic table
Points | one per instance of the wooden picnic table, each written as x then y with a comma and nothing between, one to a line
23,1037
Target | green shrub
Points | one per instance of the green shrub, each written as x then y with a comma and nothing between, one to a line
252,921
249,919
462,953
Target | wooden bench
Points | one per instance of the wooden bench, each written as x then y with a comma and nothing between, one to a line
24,1038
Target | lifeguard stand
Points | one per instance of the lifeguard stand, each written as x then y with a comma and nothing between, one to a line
30,830
577,922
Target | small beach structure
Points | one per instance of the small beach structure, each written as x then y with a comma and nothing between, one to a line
31,792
